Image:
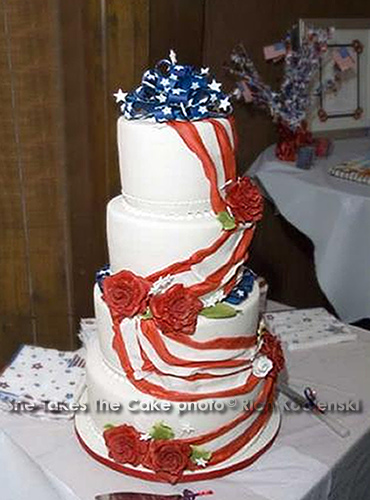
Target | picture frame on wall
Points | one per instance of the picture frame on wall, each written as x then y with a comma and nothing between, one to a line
347,109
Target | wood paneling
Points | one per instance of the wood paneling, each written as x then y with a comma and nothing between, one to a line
178,25
35,290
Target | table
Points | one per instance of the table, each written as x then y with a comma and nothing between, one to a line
307,461
334,214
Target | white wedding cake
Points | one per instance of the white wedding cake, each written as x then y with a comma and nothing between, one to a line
180,378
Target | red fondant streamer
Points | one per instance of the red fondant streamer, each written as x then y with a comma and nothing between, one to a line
196,258
161,393
213,281
190,135
227,152
152,334
217,343
189,378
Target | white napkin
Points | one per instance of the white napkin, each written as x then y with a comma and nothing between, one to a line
21,478
305,328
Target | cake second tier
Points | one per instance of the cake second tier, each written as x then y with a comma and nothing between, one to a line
145,243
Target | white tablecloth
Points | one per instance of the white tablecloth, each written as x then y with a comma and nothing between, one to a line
307,461
334,214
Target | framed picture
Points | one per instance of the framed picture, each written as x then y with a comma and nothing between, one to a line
347,109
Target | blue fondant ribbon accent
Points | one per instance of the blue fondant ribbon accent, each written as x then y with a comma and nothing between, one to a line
241,291
102,274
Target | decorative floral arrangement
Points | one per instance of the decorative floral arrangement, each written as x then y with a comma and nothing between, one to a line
157,450
289,105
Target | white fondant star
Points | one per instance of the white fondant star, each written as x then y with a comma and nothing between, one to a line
177,91
203,109
173,77
213,97
225,103
166,110
129,106
162,98
120,95
213,299
201,462
187,429
240,293
165,82
139,375
161,284
195,85
204,71
215,86
173,57
145,436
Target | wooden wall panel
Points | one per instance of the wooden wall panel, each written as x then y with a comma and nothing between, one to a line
116,52
35,154
178,25
15,302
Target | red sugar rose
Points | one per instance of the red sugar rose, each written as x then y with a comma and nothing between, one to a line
124,445
244,200
125,294
176,310
271,348
168,458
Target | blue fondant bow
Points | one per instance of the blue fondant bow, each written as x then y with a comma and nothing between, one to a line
172,91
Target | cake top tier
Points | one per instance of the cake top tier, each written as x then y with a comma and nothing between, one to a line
171,91
175,140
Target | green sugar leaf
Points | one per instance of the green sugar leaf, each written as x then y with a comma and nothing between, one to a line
227,221
199,453
147,315
219,311
108,426
160,430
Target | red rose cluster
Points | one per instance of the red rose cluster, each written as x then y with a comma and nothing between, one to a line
244,200
176,310
167,458
125,294
271,348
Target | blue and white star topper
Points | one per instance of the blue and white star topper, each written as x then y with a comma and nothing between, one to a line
172,91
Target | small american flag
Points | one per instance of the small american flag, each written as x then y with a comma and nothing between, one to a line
343,59
274,51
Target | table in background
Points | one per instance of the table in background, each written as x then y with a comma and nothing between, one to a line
334,214
307,461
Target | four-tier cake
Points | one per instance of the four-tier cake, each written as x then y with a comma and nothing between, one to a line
179,350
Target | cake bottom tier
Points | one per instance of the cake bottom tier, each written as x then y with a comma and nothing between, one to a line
92,441
236,431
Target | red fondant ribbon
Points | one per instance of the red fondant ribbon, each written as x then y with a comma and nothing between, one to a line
190,135
161,393
227,152
152,334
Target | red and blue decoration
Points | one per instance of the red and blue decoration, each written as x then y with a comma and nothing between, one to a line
241,291
173,91
101,275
